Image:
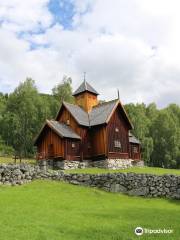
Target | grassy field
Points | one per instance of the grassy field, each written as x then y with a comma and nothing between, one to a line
44,210
152,170
11,160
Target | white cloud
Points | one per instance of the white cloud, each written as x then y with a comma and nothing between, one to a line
130,45
18,15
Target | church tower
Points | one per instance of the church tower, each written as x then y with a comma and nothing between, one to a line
86,96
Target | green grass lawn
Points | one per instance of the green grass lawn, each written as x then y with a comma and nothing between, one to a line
49,210
11,160
152,170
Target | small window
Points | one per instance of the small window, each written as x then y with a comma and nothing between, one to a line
73,145
116,129
117,144
89,145
135,149
67,122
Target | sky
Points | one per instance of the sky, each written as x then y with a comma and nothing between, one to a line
131,45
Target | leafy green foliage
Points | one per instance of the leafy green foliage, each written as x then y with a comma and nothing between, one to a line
159,133
63,92
24,111
5,149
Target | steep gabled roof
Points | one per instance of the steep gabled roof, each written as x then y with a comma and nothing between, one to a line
99,114
60,129
78,113
85,86
133,139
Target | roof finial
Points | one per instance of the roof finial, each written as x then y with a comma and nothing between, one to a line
84,76
118,94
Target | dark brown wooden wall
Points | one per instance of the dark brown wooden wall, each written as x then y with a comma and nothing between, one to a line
50,143
80,130
133,154
117,121
98,140
73,149
64,116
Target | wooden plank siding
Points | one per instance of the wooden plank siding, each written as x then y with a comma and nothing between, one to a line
84,145
98,141
86,100
67,118
117,130
50,144
135,151
72,149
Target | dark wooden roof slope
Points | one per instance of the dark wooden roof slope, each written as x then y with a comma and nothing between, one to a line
133,139
100,114
60,129
78,113
85,86
63,130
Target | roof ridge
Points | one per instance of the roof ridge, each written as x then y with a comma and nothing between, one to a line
85,86
76,106
104,103
85,83
69,103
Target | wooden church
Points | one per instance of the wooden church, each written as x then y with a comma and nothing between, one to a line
88,130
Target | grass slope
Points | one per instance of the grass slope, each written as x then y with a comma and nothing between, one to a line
11,160
152,170
45,210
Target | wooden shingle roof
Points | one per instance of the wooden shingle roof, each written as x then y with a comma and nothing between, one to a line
61,129
133,139
85,86
99,114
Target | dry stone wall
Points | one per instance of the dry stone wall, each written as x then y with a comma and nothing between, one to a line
106,163
147,185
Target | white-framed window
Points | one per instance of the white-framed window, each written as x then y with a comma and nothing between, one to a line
135,149
117,144
116,129
73,145
68,122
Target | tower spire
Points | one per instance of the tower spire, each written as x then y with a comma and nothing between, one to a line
118,94
84,76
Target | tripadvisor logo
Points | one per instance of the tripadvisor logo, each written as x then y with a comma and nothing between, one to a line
139,231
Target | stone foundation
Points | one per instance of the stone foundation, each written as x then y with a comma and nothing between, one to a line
66,164
138,163
106,163
113,163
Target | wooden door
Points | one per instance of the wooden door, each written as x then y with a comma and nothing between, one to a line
50,150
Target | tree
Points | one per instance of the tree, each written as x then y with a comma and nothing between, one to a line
63,91
166,137
25,110
23,117
141,123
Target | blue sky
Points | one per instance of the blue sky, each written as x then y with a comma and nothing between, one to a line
63,12
113,41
